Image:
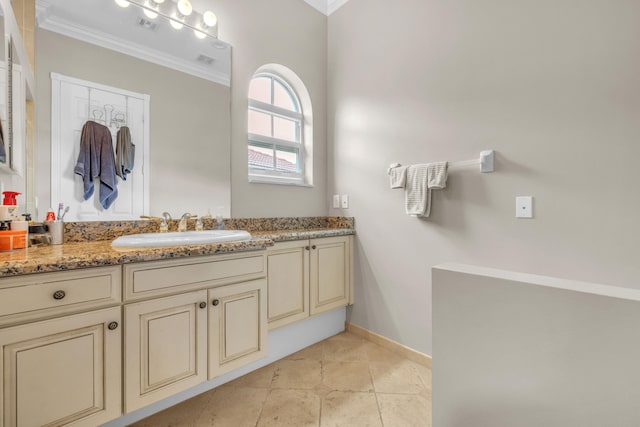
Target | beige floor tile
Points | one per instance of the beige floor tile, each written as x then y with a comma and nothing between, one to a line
297,374
401,377
350,336
424,373
233,407
376,353
337,375
260,378
349,409
347,376
313,352
344,349
294,408
183,414
399,410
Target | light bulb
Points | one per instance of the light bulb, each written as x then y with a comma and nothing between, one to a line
184,7
176,24
198,32
122,3
210,19
150,14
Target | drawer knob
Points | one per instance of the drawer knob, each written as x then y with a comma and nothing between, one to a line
306,248
112,326
313,247
58,295
215,302
203,304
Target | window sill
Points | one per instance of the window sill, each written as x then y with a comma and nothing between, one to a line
276,181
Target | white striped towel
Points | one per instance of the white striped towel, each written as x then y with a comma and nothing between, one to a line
417,196
437,175
398,176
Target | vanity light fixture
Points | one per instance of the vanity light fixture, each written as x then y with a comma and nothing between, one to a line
152,5
209,19
180,14
184,9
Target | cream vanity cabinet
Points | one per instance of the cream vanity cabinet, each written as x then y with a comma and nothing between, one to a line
60,348
190,320
308,277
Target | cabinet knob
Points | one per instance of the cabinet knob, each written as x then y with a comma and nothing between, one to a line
58,295
306,248
203,304
313,247
112,326
215,302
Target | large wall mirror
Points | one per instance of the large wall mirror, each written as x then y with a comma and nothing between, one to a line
16,93
98,61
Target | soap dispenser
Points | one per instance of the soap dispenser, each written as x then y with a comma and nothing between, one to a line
9,208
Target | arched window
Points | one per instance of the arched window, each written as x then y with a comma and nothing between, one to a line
276,125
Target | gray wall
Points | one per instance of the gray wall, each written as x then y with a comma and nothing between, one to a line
291,33
552,86
522,351
189,127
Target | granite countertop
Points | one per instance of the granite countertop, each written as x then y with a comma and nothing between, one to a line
75,255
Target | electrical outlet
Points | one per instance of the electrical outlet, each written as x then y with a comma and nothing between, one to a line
336,201
345,201
524,207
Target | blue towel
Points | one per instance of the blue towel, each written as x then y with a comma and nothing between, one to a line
96,160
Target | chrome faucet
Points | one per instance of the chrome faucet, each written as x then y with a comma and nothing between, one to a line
182,226
164,222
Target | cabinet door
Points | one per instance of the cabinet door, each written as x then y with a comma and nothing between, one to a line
288,282
330,273
237,325
65,370
166,347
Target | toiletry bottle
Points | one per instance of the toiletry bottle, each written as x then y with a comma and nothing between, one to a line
50,215
9,208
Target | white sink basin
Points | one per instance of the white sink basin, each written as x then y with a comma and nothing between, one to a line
180,238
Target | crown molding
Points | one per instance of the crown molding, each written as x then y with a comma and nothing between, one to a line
327,7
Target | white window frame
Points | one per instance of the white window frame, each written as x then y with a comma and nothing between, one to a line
273,176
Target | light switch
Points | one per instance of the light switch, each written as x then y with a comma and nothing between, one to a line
336,201
345,201
524,207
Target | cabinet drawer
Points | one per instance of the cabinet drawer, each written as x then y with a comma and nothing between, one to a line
168,277
39,295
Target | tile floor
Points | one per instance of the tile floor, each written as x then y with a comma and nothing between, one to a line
342,381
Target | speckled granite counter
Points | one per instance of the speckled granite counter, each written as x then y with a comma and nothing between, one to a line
98,252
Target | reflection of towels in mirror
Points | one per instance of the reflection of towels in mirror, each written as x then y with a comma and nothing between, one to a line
96,160
125,153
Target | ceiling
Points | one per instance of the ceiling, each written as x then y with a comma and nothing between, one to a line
326,6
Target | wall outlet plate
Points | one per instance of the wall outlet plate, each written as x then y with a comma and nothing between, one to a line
336,201
345,201
524,207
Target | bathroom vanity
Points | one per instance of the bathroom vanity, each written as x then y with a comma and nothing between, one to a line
117,331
